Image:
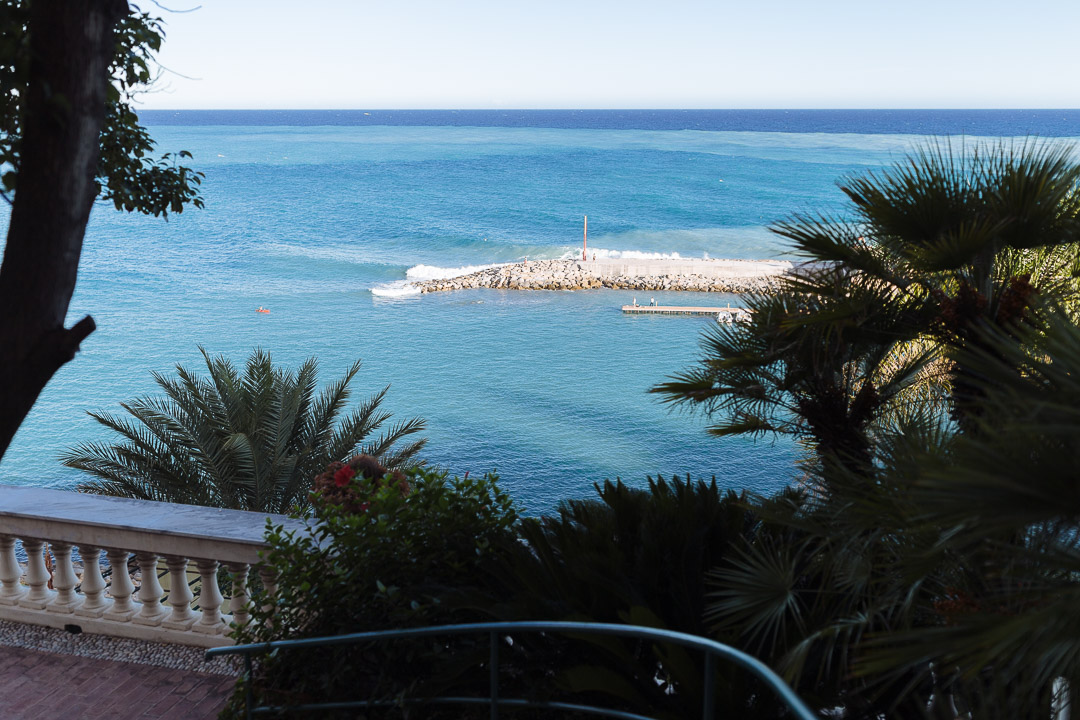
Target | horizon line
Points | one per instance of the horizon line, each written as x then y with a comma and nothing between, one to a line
626,109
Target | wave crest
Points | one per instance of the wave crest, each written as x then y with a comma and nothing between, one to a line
433,272
395,290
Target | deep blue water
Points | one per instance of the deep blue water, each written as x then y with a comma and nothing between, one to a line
321,216
1044,123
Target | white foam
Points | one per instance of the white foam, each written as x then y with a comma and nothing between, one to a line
432,272
420,273
395,290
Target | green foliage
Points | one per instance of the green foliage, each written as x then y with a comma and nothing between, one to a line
999,513
931,247
400,562
629,548
926,356
630,556
816,364
250,441
806,596
130,173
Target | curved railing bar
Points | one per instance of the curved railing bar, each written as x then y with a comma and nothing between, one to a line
711,648
502,702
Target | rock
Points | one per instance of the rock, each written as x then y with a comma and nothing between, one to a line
574,275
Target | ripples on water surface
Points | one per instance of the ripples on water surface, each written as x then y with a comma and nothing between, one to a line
547,387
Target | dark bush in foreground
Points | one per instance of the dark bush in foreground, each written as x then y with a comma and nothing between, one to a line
638,557
383,550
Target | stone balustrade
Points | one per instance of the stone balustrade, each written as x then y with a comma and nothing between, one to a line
186,545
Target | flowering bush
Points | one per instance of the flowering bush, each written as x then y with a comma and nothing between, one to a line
380,550
351,485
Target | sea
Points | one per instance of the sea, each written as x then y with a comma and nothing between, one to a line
323,217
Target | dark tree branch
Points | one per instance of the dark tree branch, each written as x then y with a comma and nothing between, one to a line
71,45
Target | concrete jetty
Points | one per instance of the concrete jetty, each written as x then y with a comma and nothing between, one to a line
694,275
722,314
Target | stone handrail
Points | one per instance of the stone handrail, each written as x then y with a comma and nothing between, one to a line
50,523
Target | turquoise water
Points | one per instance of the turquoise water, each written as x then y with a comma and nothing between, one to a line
324,223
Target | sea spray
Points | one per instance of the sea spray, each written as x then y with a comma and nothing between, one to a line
431,272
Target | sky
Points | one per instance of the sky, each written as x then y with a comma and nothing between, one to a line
491,54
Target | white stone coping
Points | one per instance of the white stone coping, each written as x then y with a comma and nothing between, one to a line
191,531
713,268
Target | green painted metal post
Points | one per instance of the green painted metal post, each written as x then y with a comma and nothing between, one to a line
710,691
249,694
494,675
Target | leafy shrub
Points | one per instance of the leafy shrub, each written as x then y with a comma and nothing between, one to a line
634,556
382,550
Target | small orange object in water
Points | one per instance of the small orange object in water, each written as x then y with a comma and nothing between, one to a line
261,309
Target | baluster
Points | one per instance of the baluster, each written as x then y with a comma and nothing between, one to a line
238,606
37,576
121,587
93,585
150,591
211,622
10,572
64,581
180,597
269,582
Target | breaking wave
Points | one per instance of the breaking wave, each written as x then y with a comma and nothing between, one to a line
399,289
433,272
418,273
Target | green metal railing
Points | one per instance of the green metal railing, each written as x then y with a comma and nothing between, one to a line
712,650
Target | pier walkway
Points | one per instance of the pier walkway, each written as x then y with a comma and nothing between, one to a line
723,314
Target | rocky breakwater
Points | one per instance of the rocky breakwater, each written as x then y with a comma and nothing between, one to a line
725,276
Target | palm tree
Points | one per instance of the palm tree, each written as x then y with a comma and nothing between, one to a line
931,248
983,527
918,360
250,441
818,360
964,238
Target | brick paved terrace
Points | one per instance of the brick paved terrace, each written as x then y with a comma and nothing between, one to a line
38,684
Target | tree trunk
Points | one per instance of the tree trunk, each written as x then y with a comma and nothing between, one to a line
71,44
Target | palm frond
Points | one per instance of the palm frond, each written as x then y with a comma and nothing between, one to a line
253,440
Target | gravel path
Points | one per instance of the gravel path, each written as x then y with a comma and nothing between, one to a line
103,647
